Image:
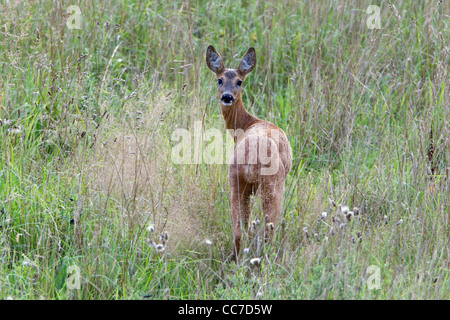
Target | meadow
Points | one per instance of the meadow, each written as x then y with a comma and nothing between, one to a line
92,205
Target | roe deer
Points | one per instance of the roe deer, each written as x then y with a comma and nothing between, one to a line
262,154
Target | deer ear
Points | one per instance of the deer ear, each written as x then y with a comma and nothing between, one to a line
213,60
248,62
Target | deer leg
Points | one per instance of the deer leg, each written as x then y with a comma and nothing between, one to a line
272,193
240,209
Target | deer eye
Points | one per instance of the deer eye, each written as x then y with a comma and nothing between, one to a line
239,83
219,82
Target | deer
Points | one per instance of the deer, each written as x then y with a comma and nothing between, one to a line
262,156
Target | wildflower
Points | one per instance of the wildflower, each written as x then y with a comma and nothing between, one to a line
151,228
15,130
316,237
270,226
260,294
246,250
5,122
305,230
160,248
345,210
255,261
208,242
324,215
350,215
27,263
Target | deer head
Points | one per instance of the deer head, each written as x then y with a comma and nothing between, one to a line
229,81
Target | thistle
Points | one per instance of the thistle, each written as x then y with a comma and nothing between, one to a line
255,262
151,228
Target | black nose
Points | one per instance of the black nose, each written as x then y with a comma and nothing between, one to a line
227,98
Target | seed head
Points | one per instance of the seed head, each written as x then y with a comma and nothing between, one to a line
160,248
255,262
15,130
151,228
344,210
350,215
270,226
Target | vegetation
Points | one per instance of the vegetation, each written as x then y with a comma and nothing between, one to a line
88,185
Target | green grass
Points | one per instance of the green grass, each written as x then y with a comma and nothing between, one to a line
85,149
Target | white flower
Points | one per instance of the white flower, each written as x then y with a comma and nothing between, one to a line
160,248
260,294
255,261
151,228
350,215
208,242
345,209
324,215
15,130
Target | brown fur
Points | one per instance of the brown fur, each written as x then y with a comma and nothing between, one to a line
256,142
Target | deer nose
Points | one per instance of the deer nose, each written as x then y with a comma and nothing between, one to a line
227,98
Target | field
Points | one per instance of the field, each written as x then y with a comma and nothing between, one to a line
93,205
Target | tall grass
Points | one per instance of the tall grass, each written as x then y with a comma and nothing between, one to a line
85,149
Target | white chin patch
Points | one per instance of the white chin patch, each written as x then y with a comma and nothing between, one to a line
227,104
